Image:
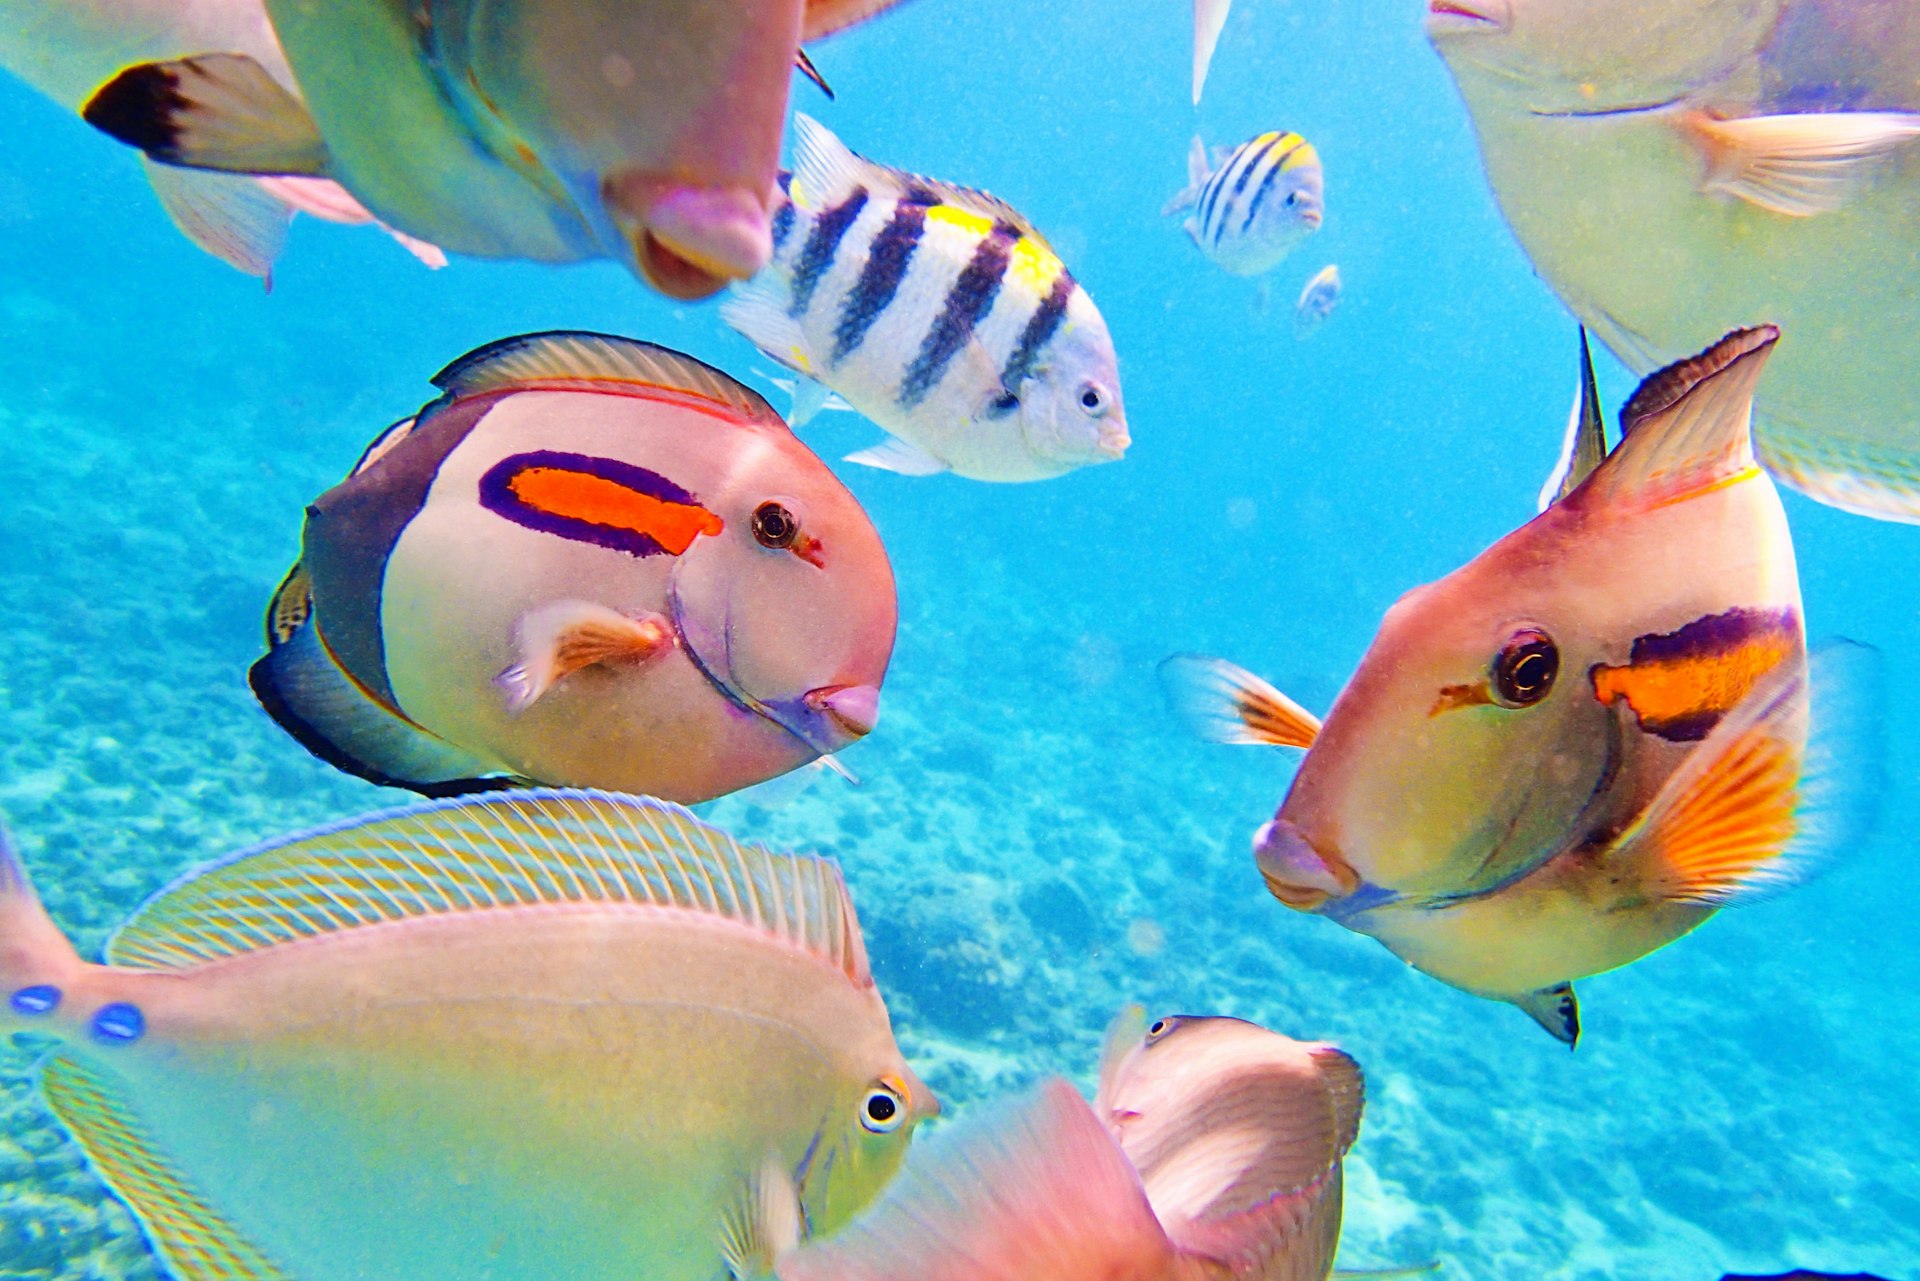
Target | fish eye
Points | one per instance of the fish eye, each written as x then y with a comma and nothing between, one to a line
1523,671
1293,199
1005,403
1160,1028
1092,399
882,1111
774,526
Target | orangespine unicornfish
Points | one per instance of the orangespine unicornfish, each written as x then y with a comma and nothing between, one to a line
591,562
557,1032
1577,747
646,132
1252,204
937,311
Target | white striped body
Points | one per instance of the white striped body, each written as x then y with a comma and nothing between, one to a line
1259,201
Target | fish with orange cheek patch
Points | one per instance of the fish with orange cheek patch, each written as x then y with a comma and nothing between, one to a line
592,562
1575,748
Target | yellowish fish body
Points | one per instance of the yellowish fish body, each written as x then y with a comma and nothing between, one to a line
1573,749
548,1047
1675,169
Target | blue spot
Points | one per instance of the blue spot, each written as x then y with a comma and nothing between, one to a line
41,998
119,1022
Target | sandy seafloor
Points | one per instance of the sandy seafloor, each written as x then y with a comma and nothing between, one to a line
1032,845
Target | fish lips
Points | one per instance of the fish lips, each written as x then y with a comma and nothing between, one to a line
688,241
1468,17
1299,873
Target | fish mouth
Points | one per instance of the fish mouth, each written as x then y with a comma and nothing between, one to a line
674,274
1312,218
1111,445
852,709
1297,872
1464,17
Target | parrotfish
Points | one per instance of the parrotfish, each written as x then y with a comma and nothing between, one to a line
1677,167
1252,204
940,313
1577,747
1318,298
561,1034
66,48
642,131
591,562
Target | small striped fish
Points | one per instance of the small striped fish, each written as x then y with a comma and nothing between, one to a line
1254,203
939,313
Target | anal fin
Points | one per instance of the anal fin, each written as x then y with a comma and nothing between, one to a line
1557,1010
558,639
899,456
195,1240
230,216
216,111
1225,703
1797,165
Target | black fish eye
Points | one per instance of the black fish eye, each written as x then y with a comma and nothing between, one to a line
1005,403
774,526
881,1110
1159,1029
1523,671
1090,398
1293,198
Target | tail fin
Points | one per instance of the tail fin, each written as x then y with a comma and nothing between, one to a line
1198,171
37,963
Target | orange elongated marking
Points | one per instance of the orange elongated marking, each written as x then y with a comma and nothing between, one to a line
1679,684
597,500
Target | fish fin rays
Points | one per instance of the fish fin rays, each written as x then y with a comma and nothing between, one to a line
219,111
1867,478
1752,812
555,640
517,849
290,607
1197,174
1557,1010
1209,17
1687,428
231,216
1585,446
763,1223
1387,1274
1044,1192
755,311
195,1240
810,397
899,456
307,695
328,201
577,358
1128,1030
1796,165
1225,703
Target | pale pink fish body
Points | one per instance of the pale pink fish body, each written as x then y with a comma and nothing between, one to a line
67,49
557,1035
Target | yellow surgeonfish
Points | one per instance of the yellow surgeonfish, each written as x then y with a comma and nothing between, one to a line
1575,748
562,1034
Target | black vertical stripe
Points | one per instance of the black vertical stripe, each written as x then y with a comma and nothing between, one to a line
822,243
1237,164
972,294
783,212
888,258
1040,329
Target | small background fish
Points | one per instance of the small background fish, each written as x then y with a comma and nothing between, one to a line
1252,204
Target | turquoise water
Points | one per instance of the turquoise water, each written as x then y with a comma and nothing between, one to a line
1034,842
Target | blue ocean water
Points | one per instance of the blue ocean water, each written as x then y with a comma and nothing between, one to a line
1034,842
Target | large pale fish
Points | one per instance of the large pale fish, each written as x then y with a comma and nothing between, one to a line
642,131
562,1034
1253,204
1675,168
939,313
67,48
1575,748
591,562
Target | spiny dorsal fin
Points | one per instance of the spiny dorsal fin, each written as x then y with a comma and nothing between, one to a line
1585,447
825,168
195,1240
291,606
1688,427
527,849
564,358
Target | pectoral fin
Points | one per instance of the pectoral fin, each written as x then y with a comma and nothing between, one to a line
229,216
896,455
1796,165
1224,703
1557,1010
216,111
763,1223
556,640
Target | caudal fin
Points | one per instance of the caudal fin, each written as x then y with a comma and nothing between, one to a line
37,963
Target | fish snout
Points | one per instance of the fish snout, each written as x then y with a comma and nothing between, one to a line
690,241
1449,17
1313,218
1113,440
851,709
1297,872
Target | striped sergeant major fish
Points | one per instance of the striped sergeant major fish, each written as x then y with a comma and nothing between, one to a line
1253,204
938,312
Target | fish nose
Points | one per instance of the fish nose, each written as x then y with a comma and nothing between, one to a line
853,709
1312,217
715,233
1299,873
1114,439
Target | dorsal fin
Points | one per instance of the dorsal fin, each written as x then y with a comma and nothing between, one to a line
824,168
563,358
1688,427
1346,1088
1585,447
522,850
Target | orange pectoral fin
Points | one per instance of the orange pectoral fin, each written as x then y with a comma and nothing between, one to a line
1224,703
1777,789
557,640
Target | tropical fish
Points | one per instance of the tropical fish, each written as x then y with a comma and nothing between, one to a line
1802,1275
1253,204
1237,1134
642,131
65,48
1677,167
1577,747
1209,17
554,1034
1317,301
939,313
592,562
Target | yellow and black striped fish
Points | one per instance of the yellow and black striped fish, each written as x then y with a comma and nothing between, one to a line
938,312
1253,204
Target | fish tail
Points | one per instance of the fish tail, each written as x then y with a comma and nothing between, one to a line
37,963
1198,171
